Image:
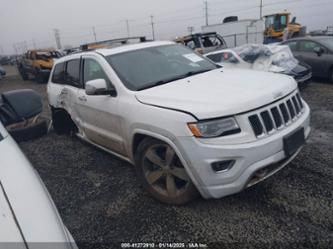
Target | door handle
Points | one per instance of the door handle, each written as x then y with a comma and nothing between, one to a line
82,98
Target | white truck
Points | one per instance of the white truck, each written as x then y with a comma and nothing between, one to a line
240,32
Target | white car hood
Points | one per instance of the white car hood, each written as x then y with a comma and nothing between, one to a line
29,200
9,231
220,92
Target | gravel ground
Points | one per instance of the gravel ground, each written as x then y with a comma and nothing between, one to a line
101,201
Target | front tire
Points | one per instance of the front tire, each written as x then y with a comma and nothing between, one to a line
162,174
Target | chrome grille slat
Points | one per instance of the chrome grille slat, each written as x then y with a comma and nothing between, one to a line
289,115
276,116
290,109
298,109
268,122
299,101
272,118
281,115
262,123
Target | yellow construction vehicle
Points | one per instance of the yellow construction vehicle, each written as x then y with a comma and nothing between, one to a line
37,63
276,24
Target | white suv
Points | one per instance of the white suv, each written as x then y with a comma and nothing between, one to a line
187,125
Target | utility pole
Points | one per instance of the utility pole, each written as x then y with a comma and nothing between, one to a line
190,29
127,28
1,50
25,45
261,6
15,48
152,26
57,38
34,44
206,11
94,33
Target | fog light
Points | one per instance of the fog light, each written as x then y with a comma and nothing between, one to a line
223,165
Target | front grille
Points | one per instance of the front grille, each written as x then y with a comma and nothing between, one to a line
276,116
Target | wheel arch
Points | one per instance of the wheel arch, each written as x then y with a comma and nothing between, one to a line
140,135
66,117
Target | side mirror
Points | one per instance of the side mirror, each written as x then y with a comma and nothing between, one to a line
318,50
98,87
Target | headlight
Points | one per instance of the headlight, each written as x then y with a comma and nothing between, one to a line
214,128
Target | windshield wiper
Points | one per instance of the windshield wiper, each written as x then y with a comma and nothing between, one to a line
157,83
179,77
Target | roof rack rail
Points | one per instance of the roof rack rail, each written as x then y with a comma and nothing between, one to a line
94,45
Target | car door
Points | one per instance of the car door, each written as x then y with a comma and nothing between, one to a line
99,114
70,87
307,54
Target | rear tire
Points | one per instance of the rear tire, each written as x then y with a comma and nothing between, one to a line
162,173
62,122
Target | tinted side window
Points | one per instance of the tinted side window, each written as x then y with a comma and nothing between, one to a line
93,71
215,57
308,46
58,73
223,57
73,72
292,45
211,41
190,44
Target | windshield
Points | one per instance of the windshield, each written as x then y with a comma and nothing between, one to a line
148,67
55,54
328,42
43,55
276,55
47,55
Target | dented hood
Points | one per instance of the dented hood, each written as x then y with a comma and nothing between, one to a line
220,92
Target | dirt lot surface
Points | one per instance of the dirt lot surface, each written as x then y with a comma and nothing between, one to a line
101,201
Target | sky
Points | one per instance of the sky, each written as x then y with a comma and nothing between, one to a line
31,23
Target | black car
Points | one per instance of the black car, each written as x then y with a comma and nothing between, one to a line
315,51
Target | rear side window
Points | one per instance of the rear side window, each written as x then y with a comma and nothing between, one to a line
292,45
308,46
211,41
73,72
58,74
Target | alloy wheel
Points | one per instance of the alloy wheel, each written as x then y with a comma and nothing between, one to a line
164,171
